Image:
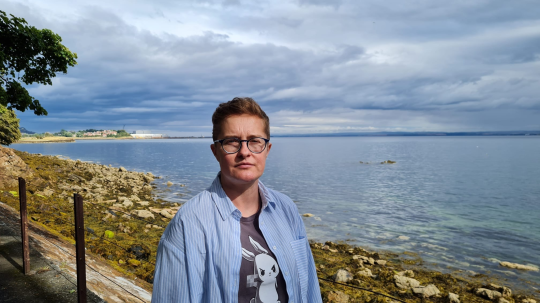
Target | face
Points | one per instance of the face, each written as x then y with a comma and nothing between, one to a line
243,167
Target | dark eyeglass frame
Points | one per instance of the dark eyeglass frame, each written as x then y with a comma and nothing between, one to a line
240,146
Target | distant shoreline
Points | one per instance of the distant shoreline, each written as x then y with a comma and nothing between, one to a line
536,134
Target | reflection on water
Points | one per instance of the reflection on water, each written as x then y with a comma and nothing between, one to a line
460,201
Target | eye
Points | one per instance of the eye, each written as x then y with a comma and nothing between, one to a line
232,142
262,271
274,268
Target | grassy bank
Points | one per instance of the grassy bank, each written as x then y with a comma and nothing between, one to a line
125,220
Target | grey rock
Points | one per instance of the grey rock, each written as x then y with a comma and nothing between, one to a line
488,293
426,291
366,272
505,291
343,276
405,282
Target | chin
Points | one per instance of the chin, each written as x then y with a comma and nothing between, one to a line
245,176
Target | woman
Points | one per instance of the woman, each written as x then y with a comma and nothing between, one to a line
237,241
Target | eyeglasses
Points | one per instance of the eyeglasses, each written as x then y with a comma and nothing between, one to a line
233,145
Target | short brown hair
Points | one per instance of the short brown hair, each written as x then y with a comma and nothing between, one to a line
238,106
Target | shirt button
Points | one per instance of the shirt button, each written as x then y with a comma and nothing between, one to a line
276,248
286,273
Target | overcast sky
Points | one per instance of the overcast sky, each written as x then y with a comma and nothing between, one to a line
313,65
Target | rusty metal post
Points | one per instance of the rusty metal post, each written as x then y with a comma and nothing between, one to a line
24,226
79,248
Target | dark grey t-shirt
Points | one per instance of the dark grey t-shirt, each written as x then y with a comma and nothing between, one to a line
261,280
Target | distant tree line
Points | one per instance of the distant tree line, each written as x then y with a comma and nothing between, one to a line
64,133
80,133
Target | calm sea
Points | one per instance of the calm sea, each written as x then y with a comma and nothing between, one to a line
461,202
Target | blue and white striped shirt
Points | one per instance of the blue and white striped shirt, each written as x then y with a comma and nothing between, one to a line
200,252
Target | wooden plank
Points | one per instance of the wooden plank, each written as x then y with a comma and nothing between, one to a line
79,248
24,226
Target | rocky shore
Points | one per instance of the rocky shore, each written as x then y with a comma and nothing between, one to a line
124,220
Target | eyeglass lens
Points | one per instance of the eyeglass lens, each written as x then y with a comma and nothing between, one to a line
255,145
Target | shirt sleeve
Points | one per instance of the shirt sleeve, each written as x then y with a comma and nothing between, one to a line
171,282
314,290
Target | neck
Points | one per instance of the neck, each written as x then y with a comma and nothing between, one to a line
244,196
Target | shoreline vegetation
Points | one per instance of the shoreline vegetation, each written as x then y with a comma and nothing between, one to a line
124,220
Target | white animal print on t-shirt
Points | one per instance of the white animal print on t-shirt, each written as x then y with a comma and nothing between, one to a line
264,275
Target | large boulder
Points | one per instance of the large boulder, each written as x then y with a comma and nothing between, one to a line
11,168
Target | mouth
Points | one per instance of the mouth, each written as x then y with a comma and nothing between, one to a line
243,165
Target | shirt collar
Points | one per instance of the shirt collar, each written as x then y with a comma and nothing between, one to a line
225,206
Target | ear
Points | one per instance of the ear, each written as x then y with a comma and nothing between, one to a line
268,148
246,254
257,246
214,151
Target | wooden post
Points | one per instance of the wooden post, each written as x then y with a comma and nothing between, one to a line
79,248
24,226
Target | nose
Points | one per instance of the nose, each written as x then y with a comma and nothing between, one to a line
244,150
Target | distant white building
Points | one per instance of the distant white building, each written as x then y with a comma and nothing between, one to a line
145,134
142,132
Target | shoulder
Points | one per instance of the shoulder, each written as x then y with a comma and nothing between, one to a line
282,201
196,204
191,214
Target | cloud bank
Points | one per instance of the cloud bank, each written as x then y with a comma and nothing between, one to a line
313,65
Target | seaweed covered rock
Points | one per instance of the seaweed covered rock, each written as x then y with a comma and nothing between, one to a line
337,297
12,167
141,252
